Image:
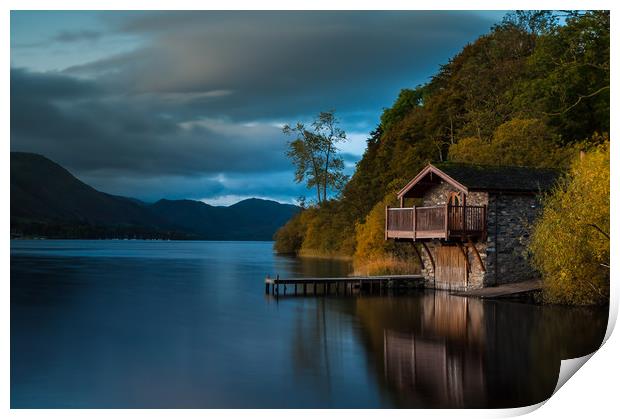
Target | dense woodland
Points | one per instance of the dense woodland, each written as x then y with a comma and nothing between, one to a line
534,91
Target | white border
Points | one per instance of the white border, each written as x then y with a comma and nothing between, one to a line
592,392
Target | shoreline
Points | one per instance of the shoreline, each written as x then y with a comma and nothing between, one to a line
123,239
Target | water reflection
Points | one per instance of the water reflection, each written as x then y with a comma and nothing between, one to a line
312,267
438,350
137,324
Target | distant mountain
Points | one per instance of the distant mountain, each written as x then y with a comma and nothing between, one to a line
48,201
251,219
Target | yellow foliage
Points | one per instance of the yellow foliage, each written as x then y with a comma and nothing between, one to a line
570,242
320,231
519,142
376,256
289,237
471,150
370,235
388,265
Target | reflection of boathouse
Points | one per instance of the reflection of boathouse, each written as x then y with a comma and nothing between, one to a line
413,364
441,363
432,349
440,350
472,222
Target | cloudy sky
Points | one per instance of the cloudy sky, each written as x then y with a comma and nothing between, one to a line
190,104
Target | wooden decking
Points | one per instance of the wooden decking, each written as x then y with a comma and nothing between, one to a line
350,285
503,291
437,222
342,285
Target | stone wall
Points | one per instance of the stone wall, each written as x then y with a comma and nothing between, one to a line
438,195
427,269
509,222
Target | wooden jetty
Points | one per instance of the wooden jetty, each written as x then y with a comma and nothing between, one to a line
341,285
503,291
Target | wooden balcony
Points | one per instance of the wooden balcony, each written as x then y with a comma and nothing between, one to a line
438,222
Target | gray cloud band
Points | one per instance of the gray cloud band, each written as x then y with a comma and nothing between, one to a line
206,92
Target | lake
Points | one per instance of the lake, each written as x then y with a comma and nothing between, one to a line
155,324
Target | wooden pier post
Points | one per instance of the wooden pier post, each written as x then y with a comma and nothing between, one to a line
327,286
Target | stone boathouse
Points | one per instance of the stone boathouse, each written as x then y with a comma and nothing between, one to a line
470,224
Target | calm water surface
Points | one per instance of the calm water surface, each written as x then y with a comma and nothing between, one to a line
125,324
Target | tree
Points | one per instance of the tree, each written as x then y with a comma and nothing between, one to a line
373,254
569,74
570,242
519,142
314,154
535,22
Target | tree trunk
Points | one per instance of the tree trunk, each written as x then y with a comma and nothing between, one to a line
316,170
326,173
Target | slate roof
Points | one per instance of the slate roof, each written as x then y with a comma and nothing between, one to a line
500,178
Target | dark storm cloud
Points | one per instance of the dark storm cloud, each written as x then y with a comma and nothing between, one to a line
45,86
77,36
195,107
283,63
64,37
88,129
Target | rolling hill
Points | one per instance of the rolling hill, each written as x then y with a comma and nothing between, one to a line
48,201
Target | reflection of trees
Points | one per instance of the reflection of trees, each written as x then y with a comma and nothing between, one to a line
310,353
317,327
319,322
311,267
438,350
321,327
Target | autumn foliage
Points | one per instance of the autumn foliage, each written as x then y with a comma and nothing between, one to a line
530,92
519,142
376,256
570,243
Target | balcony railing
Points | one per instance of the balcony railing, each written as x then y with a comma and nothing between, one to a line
438,222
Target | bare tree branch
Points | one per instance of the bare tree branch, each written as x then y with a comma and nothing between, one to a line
578,102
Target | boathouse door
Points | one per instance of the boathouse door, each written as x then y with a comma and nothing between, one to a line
451,268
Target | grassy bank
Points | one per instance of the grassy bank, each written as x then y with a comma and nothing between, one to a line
317,254
388,265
